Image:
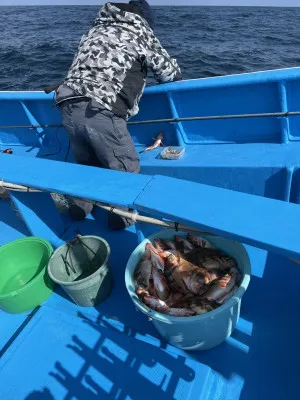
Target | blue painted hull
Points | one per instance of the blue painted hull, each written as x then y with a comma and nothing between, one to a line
64,352
256,156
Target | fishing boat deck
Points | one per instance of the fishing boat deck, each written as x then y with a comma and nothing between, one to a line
61,351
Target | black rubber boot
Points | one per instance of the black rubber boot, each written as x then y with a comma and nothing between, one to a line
80,209
117,223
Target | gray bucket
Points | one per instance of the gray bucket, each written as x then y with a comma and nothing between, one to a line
81,268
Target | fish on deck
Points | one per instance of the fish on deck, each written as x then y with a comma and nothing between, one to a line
156,145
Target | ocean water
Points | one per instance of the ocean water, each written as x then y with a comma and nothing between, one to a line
37,44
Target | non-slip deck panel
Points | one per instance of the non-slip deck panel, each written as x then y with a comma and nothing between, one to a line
112,351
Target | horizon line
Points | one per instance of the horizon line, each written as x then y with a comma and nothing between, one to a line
153,6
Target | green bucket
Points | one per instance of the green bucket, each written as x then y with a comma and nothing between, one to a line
24,282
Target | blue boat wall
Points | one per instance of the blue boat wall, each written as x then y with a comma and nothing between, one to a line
258,155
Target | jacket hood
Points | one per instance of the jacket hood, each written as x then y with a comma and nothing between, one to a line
146,9
112,13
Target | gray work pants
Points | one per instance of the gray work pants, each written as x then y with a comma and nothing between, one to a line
98,138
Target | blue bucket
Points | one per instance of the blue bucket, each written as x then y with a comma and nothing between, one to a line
201,332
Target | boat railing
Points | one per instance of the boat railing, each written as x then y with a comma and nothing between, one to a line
190,112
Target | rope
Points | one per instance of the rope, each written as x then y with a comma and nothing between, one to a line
66,263
71,261
134,217
172,120
69,265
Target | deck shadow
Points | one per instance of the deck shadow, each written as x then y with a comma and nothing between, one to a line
265,356
118,366
40,395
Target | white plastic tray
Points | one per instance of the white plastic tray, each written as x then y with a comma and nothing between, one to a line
169,153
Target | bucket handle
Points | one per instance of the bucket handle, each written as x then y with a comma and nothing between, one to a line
70,265
67,265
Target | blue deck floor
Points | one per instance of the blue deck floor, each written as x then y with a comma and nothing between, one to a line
61,351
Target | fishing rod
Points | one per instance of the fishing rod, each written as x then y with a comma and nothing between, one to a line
135,217
174,120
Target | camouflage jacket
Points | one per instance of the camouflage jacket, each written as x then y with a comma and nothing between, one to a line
113,58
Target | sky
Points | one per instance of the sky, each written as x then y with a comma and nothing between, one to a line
274,3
